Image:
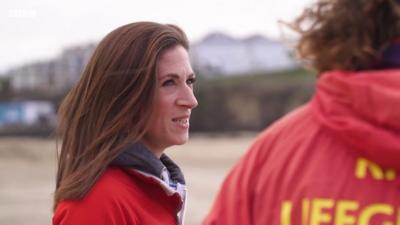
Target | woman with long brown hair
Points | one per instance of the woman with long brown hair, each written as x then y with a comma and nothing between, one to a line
133,100
335,160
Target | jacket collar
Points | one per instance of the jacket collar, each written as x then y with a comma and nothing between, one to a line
139,157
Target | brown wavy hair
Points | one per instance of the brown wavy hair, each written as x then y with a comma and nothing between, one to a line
346,34
110,105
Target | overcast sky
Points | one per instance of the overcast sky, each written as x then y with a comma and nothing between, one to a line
33,30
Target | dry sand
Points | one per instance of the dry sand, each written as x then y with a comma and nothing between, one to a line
27,168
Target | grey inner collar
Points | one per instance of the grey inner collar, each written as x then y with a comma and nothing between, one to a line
137,156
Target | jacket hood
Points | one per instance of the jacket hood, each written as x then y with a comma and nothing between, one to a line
363,109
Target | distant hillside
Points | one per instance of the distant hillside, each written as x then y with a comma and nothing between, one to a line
249,102
242,84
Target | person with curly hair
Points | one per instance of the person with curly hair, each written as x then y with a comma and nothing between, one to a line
336,159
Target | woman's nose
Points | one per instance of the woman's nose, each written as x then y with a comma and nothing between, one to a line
187,98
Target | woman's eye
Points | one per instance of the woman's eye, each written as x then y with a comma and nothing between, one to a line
168,83
191,80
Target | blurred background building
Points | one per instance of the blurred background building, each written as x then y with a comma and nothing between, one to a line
56,75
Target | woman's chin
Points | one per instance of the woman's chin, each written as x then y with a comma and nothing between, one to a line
182,140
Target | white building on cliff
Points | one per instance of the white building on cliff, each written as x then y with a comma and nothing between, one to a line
220,54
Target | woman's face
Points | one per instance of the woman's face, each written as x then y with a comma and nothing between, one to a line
174,101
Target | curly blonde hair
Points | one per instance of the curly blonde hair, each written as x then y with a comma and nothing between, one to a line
346,34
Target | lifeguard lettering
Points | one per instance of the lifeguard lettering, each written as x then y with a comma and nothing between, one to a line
319,213
344,211
324,211
377,173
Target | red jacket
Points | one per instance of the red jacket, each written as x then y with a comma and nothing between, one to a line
122,197
335,160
